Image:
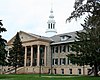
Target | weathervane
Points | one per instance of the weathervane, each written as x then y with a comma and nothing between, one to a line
51,4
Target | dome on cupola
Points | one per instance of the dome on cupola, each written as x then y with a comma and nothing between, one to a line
51,16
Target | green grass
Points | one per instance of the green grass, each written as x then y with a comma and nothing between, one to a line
45,77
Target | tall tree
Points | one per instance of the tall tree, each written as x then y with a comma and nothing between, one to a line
87,43
16,54
87,48
3,52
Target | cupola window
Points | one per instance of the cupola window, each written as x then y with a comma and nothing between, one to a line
51,25
48,26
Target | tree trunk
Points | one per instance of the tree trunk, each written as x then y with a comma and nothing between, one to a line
15,69
83,70
95,69
2,69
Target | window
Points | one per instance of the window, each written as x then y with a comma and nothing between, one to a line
70,70
65,37
53,26
64,48
55,62
62,61
42,62
68,60
62,70
56,49
79,71
53,49
49,26
60,49
35,62
68,48
62,38
28,50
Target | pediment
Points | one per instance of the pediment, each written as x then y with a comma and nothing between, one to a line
24,37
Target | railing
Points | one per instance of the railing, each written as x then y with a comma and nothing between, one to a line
91,71
12,70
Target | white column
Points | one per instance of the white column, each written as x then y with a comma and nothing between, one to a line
31,55
45,51
25,59
38,55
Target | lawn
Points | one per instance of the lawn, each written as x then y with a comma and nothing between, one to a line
45,77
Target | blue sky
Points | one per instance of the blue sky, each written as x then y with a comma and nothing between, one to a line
32,16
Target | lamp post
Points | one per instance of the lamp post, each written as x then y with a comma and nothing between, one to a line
41,50
51,60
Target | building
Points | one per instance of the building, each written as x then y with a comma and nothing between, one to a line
53,57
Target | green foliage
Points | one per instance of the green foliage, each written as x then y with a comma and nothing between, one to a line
2,29
3,52
87,46
16,53
87,43
91,7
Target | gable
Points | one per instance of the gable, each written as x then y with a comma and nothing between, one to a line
24,37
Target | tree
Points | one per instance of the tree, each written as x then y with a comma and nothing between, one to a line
89,7
87,47
16,53
3,52
87,43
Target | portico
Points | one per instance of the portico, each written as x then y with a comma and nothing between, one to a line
34,53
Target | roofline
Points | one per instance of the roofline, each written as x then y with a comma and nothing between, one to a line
62,42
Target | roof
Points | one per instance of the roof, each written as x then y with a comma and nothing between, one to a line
32,36
57,38
40,37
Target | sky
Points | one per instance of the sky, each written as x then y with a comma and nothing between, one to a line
32,16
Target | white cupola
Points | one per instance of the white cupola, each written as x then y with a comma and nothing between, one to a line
51,31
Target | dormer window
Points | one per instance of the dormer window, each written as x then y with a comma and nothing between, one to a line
65,37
